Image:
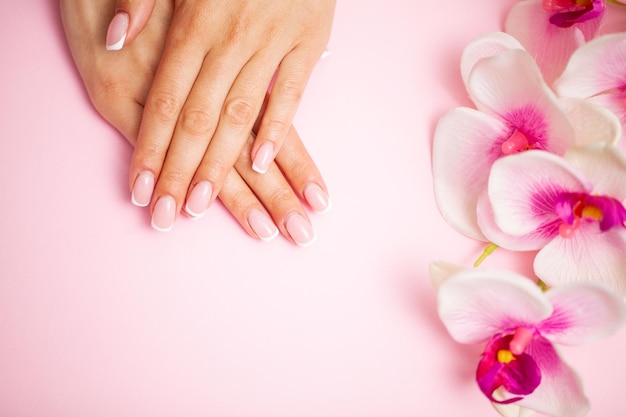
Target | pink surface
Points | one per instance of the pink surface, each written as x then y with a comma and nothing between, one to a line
102,316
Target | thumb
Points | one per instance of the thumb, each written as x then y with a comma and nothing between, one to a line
130,18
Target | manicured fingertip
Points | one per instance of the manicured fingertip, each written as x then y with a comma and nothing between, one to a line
142,189
118,29
264,157
262,225
300,230
317,198
164,214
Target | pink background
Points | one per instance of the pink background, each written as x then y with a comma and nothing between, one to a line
102,316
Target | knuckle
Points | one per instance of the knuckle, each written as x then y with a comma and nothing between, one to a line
239,113
195,122
281,197
292,89
163,105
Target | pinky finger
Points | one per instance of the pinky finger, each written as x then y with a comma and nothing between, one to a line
246,208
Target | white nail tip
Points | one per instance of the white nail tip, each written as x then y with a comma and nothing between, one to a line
118,45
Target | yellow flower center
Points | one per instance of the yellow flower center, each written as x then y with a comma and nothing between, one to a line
505,356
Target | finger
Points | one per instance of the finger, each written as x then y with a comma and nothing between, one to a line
193,133
180,63
302,173
246,208
130,18
241,107
278,197
284,98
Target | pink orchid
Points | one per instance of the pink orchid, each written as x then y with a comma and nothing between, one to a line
597,72
510,116
520,366
551,30
570,209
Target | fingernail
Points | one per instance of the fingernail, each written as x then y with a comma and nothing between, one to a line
262,225
300,230
142,189
116,34
164,213
263,158
325,54
199,199
317,198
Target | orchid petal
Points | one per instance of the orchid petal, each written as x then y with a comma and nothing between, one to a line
486,45
523,189
560,393
595,68
532,241
476,304
582,313
441,271
511,410
526,104
551,45
615,102
604,165
591,255
463,151
592,122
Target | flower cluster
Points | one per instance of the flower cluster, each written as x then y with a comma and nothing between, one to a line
538,164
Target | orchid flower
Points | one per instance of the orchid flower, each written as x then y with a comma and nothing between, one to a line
519,323
597,72
510,117
551,30
570,209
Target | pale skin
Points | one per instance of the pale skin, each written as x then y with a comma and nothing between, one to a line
119,84
218,61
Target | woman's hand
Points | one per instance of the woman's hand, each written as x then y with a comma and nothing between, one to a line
219,59
118,84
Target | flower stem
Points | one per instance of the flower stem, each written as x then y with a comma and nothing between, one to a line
488,251
615,2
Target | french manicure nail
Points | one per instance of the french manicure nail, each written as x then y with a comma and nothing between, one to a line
164,213
262,225
264,157
142,189
300,230
317,198
116,34
199,199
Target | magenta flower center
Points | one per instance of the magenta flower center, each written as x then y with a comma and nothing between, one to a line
507,364
565,13
576,208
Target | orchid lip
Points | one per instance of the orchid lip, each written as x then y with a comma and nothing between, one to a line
568,12
505,364
574,208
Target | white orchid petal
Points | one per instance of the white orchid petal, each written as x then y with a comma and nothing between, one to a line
440,271
462,156
604,165
476,304
526,104
597,67
522,190
486,45
590,255
592,122
583,313
533,241
511,410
